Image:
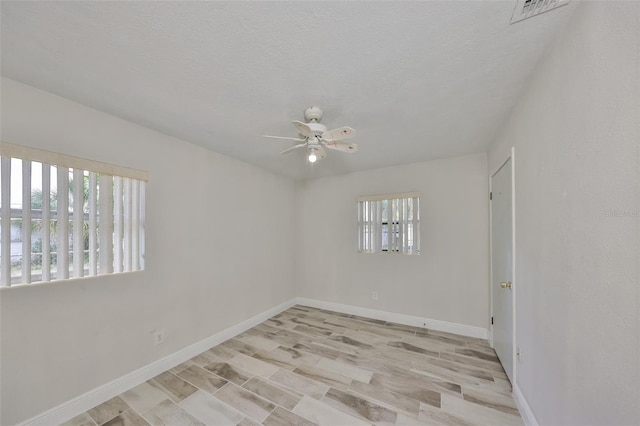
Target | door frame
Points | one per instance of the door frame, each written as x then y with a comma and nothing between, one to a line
514,289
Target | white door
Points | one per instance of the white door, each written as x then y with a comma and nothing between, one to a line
502,266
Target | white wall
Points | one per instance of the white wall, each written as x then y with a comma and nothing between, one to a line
447,282
219,250
576,133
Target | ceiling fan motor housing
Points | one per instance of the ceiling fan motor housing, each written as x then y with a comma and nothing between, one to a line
317,128
312,114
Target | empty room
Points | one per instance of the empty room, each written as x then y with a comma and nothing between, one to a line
320,213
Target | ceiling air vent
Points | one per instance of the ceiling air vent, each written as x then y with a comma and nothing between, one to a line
529,8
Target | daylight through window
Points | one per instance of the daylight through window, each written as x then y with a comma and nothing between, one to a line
63,216
389,223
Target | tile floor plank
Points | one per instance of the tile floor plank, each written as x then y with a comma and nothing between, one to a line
229,372
167,413
177,388
202,379
144,396
388,398
108,410
83,419
274,393
323,414
282,417
253,365
210,410
325,376
360,407
128,418
245,401
299,383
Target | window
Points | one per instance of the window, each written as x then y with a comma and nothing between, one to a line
389,223
63,216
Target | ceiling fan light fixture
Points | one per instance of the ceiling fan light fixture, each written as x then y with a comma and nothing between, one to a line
315,137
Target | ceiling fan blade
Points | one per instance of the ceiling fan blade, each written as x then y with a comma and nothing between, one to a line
342,146
339,134
283,137
288,150
303,129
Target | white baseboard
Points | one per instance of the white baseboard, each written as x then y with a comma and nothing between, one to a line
523,406
449,327
88,400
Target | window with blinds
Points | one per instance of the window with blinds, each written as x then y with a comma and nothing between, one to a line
389,223
63,216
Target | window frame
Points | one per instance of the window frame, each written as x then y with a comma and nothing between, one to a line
400,223
98,213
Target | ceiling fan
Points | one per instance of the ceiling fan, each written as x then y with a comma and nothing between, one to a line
315,137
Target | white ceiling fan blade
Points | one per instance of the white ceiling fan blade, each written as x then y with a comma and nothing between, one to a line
284,137
339,134
288,150
303,129
342,146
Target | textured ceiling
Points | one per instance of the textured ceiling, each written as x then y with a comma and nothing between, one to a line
417,80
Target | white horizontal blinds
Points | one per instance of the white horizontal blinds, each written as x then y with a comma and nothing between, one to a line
389,222
62,224
26,221
105,224
93,223
78,223
5,222
46,222
117,224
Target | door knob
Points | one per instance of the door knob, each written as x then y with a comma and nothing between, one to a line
506,284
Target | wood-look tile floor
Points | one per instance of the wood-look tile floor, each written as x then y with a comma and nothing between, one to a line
310,366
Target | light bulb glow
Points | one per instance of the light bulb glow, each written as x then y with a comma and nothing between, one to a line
312,157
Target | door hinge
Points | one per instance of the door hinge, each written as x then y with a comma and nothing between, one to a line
491,196
491,320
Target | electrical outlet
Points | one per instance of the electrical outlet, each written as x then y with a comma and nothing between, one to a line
157,336
375,295
518,356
